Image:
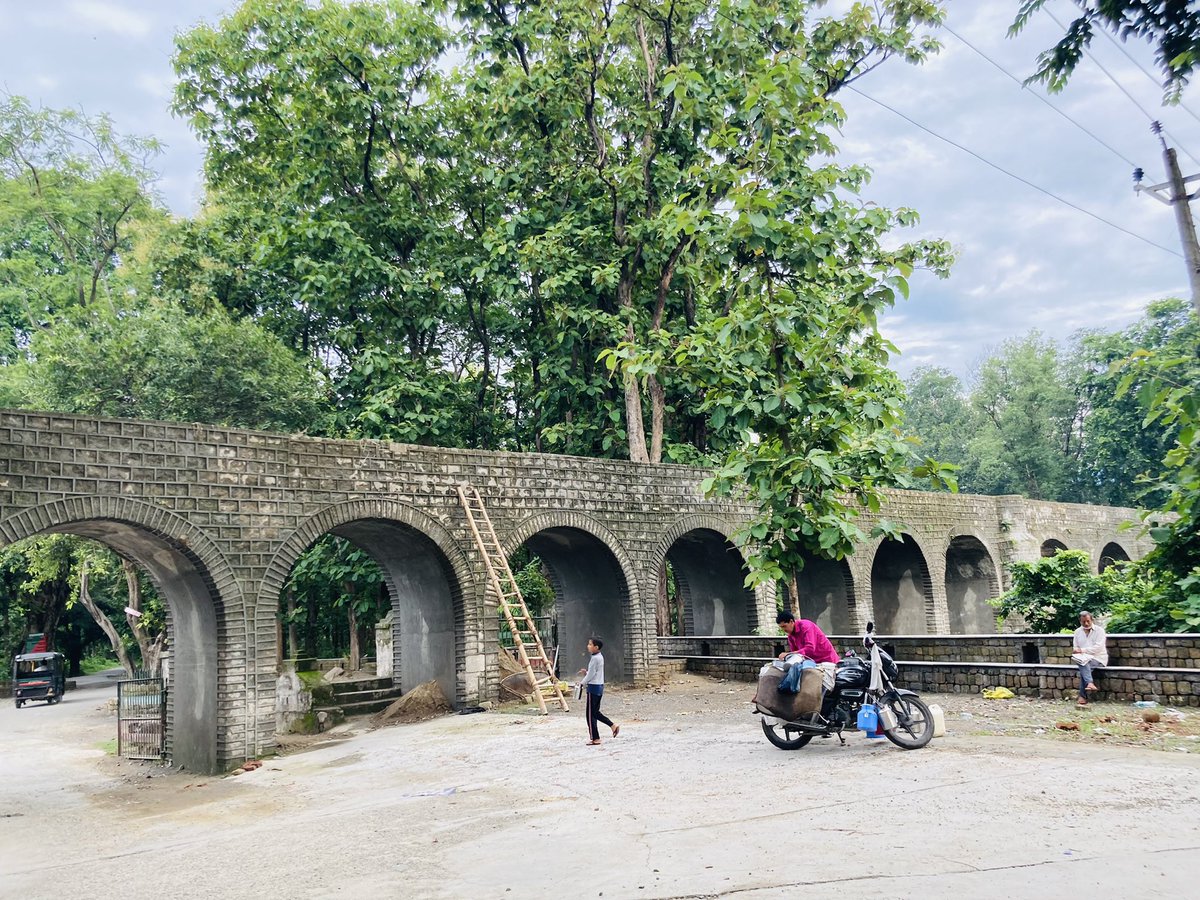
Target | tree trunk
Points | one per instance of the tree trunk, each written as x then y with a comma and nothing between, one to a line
106,625
658,405
662,605
352,622
793,590
151,648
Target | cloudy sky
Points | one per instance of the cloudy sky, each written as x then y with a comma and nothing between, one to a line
1025,260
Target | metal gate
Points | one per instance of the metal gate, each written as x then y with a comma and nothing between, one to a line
141,718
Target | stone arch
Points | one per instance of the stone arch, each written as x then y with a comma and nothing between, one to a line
710,574
594,585
901,587
971,580
427,578
1111,554
205,604
827,593
1052,547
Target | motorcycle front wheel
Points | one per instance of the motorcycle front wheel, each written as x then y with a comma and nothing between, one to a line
914,721
783,738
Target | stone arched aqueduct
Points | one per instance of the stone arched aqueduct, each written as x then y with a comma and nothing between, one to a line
218,516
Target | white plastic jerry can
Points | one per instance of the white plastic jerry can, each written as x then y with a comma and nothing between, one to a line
939,720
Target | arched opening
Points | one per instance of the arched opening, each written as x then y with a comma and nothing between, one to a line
334,600
826,590
1113,554
425,601
710,585
970,583
591,597
195,615
901,588
1052,547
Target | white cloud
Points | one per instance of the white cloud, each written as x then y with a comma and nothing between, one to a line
158,86
110,16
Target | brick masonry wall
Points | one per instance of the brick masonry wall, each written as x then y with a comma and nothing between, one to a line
238,507
1167,668
1180,651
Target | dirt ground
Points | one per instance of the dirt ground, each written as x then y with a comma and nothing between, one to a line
689,801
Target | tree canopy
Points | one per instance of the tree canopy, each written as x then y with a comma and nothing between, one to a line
1171,27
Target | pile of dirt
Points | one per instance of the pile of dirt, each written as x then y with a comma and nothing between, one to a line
425,701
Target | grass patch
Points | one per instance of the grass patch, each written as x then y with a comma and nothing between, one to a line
98,662
109,746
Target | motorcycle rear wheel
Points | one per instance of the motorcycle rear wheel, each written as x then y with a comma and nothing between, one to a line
783,738
914,722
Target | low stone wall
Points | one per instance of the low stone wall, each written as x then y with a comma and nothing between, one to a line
1178,651
1172,687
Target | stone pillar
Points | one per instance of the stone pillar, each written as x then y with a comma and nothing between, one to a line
384,663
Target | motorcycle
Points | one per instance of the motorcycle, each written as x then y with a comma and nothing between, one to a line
902,716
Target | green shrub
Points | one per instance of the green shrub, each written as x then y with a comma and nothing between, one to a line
1050,593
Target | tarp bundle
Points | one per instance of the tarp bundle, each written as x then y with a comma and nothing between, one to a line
785,705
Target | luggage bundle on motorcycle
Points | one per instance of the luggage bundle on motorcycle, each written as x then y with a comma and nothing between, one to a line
771,701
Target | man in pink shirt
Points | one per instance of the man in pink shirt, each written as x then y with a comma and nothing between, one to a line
806,637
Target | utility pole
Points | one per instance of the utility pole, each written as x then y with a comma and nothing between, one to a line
1177,197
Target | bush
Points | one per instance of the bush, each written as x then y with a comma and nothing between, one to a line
1050,593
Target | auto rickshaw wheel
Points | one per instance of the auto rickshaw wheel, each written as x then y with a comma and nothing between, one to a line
20,703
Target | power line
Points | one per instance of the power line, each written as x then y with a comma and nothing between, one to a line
1039,96
1012,175
1122,89
1120,45
970,152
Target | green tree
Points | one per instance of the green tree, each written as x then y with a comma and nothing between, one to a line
937,413
1172,27
1168,388
465,244
1029,437
1122,456
1050,593
52,577
650,143
329,167
73,191
334,579
154,361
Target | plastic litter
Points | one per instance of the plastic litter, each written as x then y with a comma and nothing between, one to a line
998,693
1145,704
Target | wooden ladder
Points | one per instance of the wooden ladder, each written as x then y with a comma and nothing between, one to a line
526,640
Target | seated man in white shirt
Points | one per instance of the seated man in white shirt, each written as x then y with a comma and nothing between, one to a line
1088,652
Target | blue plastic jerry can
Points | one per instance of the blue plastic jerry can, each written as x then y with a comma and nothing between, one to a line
868,719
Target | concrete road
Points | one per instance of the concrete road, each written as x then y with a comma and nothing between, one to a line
689,801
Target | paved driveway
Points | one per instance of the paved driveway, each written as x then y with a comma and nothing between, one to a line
690,801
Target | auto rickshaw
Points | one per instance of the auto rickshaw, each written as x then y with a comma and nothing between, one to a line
38,676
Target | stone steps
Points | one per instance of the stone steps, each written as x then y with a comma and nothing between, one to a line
361,684
361,697
361,708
